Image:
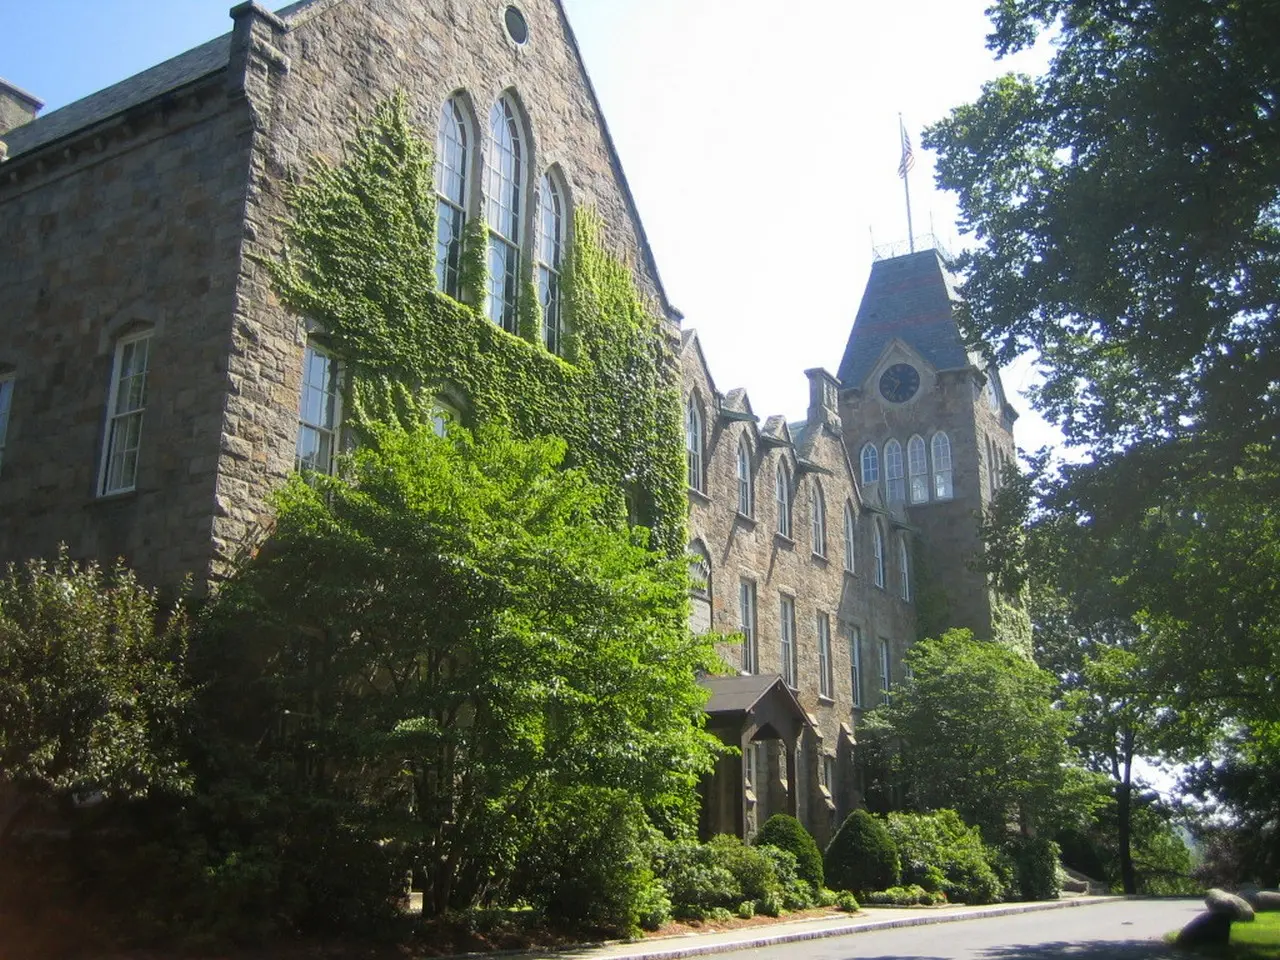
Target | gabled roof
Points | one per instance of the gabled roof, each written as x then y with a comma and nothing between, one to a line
117,98
741,694
910,298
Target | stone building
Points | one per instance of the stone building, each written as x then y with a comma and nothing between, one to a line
153,390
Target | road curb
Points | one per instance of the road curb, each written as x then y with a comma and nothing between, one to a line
667,950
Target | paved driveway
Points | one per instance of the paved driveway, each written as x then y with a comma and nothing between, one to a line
1126,930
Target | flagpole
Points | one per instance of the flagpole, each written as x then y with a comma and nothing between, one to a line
908,161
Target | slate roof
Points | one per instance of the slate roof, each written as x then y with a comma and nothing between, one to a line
138,89
740,694
907,297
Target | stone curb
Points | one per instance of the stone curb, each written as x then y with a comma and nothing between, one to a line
664,949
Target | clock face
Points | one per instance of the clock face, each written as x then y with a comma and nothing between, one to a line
899,383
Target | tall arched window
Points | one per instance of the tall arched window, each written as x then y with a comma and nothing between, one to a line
941,444
870,463
693,443
904,568
453,164
746,495
850,539
551,233
818,519
895,488
877,538
782,493
917,470
503,201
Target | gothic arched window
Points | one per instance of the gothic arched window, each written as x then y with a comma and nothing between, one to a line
693,443
453,166
877,537
552,217
818,519
503,212
917,470
782,493
870,463
895,488
850,538
746,493
941,444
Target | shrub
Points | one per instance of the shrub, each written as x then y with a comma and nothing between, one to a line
753,869
1035,861
847,902
770,906
746,909
908,896
586,866
825,897
862,855
787,833
695,880
795,893
941,853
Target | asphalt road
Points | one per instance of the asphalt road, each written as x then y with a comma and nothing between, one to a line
1129,930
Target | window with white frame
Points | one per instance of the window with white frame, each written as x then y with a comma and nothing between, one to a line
319,411
829,773
855,663
751,765
503,211
747,617
453,167
126,404
917,470
877,543
442,415
693,443
895,487
850,539
6,404
551,234
941,450
787,633
826,678
886,674
782,494
746,495
818,519
870,463
904,568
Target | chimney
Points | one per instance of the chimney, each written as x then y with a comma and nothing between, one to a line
16,106
824,398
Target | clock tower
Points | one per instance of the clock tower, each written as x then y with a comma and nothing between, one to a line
925,418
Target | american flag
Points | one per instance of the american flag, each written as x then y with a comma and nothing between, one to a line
908,156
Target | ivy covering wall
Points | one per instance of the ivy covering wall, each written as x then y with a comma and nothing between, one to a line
360,266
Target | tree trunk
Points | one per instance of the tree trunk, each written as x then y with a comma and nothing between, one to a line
1124,814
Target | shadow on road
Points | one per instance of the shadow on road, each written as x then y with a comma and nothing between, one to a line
1085,950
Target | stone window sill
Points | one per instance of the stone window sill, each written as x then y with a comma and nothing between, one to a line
699,495
826,701
747,521
784,540
819,558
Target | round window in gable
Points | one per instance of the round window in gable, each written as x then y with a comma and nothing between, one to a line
517,27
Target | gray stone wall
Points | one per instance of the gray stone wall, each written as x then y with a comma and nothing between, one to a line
343,59
16,107
751,548
135,224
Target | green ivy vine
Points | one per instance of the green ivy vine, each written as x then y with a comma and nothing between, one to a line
359,263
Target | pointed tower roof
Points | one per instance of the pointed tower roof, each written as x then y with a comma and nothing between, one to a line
908,298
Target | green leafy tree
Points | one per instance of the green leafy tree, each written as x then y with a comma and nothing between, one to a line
92,688
458,629
979,734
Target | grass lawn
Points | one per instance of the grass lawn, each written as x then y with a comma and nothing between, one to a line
1259,940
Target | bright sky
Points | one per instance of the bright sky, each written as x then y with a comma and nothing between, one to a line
760,140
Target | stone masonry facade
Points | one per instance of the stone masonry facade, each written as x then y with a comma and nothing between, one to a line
143,214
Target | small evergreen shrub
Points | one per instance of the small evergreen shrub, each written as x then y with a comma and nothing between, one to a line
908,896
825,897
753,869
788,833
847,902
1035,861
862,855
695,880
770,906
940,852
746,909
796,894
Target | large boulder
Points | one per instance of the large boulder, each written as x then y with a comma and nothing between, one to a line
1228,904
1262,901
1206,929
